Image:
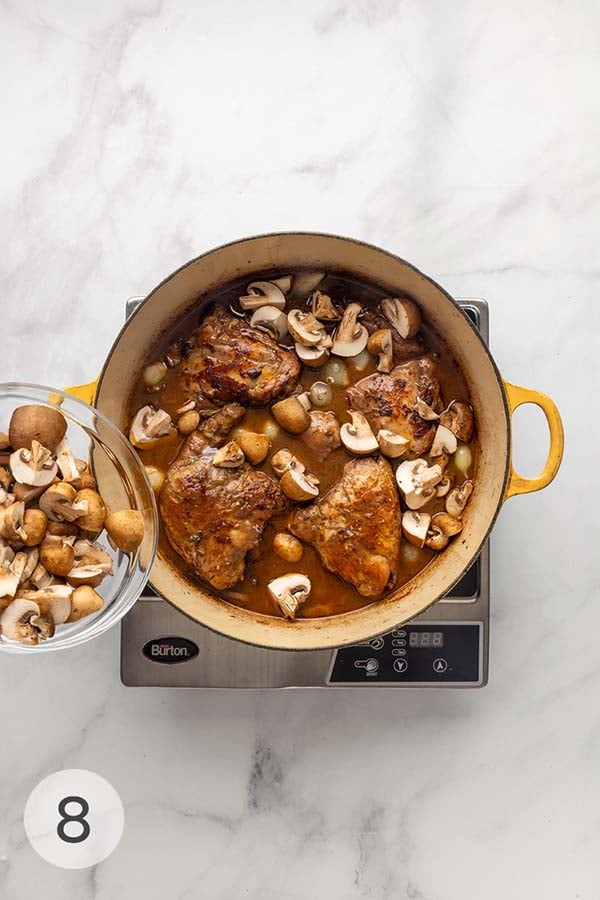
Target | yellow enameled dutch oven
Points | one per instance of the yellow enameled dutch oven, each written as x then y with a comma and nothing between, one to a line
494,400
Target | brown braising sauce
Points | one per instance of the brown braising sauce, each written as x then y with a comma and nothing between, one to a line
330,595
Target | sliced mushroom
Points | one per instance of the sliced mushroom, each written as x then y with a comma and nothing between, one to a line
299,486
290,591
54,600
417,482
22,621
58,502
36,467
460,420
149,426
7,554
425,412
11,522
126,529
262,293
391,444
71,469
305,328
92,564
443,486
284,283
306,282
271,320
403,314
254,446
457,499
33,556
443,442
10,575
415,526
43,424
291,415
350,337
283,460
39,578
229,456
357,436
323,307
313,356
57,554
380,345
288,547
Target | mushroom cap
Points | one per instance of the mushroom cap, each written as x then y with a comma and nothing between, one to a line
460,419
36,423
84,602
291,415
415,526
254,446
305,328
299,486
290,591
57,555
391,444
403,314
229,456
126,528
313,356
272,320
357,437
448,525
288,547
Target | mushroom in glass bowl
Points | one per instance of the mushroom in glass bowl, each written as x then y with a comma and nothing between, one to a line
78,521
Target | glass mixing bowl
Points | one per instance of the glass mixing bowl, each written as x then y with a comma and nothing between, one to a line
122,483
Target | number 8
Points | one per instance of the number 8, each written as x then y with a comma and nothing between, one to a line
85,827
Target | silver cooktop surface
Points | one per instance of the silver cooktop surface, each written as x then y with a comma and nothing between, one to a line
446,646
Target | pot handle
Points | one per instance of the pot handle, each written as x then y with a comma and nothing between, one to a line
85,392
517,484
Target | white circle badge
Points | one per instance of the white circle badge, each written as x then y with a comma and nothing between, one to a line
74,819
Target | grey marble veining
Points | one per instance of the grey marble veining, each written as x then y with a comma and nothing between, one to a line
464,137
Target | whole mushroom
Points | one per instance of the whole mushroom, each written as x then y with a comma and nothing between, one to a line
291,415
126,529
36,423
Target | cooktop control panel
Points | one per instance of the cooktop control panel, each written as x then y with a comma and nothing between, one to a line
427,653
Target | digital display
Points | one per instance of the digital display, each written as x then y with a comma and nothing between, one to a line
426,639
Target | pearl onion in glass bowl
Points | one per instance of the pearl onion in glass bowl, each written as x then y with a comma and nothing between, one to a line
121,482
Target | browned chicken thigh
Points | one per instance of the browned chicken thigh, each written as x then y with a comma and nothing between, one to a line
235,362
214,515
356,526
388,401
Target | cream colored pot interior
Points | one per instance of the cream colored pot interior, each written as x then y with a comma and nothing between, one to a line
283,252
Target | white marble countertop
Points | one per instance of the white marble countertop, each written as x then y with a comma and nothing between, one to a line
463,136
